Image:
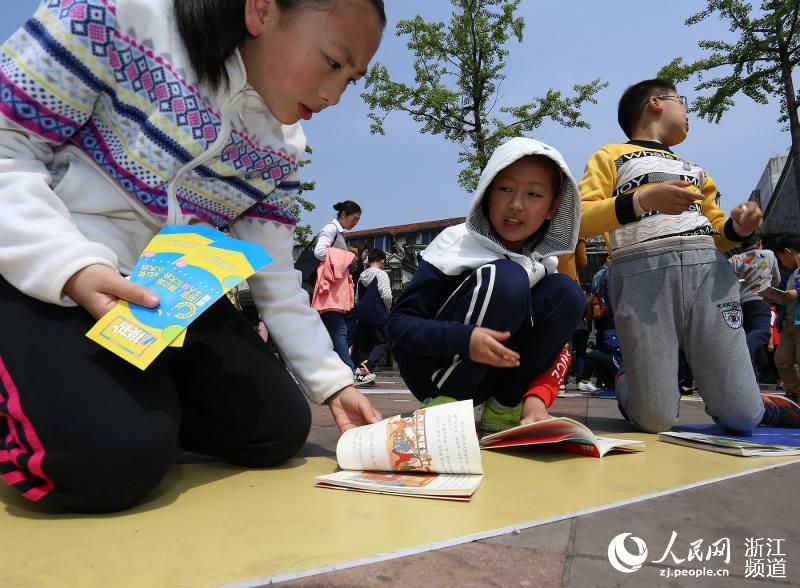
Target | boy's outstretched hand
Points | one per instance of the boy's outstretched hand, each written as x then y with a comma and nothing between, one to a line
748,216
97,288
668,198
485,347
533,410
350,409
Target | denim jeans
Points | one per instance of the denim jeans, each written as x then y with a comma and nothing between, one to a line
337,329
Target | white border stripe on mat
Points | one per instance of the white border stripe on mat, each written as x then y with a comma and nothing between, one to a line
384,391
381,557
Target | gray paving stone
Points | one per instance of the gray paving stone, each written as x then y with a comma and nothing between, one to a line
321,442
476,565
743,507
590,572
552,538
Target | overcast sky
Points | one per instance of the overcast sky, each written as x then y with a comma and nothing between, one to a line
406,177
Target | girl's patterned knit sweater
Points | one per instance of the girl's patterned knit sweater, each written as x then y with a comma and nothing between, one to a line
106,136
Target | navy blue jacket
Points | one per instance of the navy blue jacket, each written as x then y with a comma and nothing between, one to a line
412,326
370,309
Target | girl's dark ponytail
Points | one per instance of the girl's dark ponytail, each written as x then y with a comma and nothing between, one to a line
347,207
211,30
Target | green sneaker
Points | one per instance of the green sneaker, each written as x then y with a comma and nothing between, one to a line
496,417
436,401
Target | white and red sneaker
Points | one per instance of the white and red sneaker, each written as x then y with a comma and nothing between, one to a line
362,376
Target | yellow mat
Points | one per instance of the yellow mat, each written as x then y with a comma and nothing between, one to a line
214,525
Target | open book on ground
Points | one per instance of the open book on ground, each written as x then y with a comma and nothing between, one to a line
431,453
762,442
561,433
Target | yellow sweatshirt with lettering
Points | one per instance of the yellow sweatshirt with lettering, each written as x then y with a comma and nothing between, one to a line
615,172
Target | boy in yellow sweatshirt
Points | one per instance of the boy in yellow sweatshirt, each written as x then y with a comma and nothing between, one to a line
670,287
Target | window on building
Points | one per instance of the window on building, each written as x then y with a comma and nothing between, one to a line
425,237
380,243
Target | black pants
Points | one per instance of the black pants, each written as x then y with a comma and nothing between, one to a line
757,327
371,344
541,321
580,339
84,430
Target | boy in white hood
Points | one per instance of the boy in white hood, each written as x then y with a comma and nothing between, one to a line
486,317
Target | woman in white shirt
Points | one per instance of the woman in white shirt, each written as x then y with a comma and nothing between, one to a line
348,213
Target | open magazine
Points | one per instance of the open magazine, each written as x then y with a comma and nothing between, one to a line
762,442
431,453
776,296
565,434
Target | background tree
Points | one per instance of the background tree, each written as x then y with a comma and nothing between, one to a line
458,70
303,233
759,64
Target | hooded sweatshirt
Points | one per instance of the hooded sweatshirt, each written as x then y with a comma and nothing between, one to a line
463,248
374,296
106,136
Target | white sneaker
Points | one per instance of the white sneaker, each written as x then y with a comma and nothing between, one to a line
363,376
587,387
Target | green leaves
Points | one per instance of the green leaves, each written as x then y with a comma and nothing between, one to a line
303,233
755,64
457,70
759,64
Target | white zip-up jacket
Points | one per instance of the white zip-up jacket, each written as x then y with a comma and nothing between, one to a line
106,136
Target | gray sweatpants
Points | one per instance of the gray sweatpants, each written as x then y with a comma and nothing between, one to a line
681,293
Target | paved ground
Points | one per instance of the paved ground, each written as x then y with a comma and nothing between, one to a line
573,552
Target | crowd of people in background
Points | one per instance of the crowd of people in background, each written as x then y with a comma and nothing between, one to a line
661,237
354,299
596,356
358,326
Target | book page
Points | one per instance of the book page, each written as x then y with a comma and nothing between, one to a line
555,426
437,439
404,483
606,444
766,436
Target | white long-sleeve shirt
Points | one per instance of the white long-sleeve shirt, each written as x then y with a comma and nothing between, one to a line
329,236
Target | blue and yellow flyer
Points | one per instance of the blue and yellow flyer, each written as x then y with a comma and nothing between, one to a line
188,268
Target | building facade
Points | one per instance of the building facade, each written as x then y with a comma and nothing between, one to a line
769,181
782,213
402,245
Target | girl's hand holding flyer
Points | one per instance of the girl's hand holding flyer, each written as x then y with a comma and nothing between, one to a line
188,268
